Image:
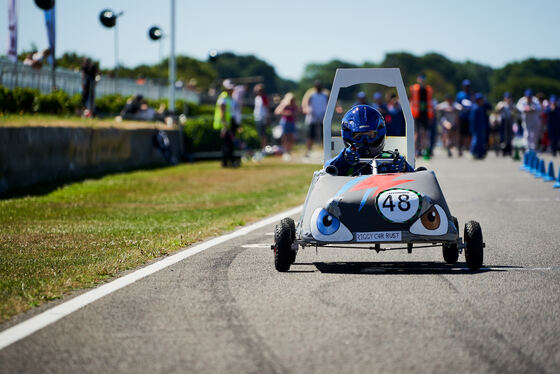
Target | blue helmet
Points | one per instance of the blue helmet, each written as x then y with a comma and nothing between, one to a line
364,127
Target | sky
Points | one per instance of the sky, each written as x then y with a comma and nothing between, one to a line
292,33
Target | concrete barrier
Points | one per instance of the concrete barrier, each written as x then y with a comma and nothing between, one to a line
38,155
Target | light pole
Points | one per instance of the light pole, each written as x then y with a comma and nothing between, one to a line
156,34
172,62
108,18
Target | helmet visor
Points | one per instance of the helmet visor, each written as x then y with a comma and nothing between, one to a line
372,134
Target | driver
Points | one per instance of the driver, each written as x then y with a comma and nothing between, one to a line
363,131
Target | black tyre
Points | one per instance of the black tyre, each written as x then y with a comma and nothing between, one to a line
292,225
283,254
474,251
450,250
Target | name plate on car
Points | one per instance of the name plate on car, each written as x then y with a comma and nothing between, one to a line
378,236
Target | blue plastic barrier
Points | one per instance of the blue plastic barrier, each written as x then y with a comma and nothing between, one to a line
557,184
549,177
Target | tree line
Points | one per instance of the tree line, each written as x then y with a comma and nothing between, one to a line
443,74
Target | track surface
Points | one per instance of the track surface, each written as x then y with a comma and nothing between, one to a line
227,310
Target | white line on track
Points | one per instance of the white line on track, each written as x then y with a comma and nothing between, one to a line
34,324
257,245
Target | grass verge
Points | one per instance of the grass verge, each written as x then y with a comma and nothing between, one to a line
47,120
85,233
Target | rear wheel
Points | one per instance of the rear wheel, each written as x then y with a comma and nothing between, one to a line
284,256
450,250
474,251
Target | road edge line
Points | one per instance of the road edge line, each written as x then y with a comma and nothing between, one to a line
36,323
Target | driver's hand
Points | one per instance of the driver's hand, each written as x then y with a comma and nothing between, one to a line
351,155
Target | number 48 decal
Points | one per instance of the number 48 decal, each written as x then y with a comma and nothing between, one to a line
403,203
398,205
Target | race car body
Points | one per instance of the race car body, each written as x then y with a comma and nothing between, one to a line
383,208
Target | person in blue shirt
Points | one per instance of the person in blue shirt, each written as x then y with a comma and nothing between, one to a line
363,131
464,98
479,126
379,104
396,124
361,99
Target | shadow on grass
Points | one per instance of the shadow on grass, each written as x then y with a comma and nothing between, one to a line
44,188
402,268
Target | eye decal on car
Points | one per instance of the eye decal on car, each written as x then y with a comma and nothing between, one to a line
432,222
326,227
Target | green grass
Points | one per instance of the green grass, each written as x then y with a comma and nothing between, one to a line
23,120
85,233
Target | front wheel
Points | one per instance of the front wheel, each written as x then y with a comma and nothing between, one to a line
284,256
450,250
474,251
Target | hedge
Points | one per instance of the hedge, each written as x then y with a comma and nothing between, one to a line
201,137
23,100
199,132
28,100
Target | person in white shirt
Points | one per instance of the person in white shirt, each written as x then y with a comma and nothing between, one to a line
238,97
530,109
260,113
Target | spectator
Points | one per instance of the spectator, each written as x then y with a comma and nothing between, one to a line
145,113
28,61
361,99
288,109
422,112
530,109
89,72
553,124
36,59
314,106
379,104
238,97
137,109
132,107
494,133
507,114
433,130
260,113
543,141
464,98
225,123
396,124
479,126
448,112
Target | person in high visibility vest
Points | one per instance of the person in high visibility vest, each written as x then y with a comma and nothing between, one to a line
224,121
423,112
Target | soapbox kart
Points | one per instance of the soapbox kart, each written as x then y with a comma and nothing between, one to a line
372,209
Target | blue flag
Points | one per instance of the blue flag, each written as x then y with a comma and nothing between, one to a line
51,31
12,29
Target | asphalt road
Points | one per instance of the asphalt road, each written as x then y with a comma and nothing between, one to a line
227,310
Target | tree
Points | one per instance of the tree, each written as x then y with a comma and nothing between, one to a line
73,61
325,74
230,65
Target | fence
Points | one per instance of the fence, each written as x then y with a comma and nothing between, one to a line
19,75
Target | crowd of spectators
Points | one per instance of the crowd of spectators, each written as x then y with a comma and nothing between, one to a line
469,122
465,122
